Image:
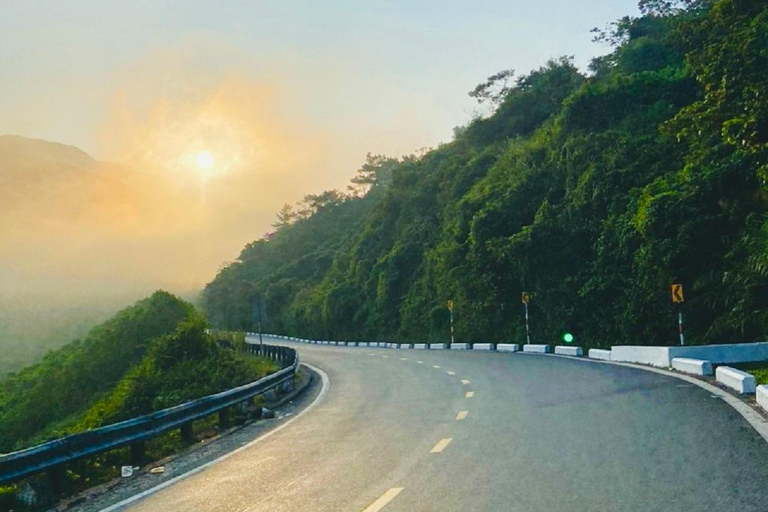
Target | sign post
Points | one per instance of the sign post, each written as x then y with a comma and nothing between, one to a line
258,313
450,308
678,298
526,299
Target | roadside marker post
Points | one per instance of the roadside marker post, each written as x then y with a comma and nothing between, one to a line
526,299
678,298
450,308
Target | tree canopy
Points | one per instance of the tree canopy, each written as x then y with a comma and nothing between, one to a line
592,192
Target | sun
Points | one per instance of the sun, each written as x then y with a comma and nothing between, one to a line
204,160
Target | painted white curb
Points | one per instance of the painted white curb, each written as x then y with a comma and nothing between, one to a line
507,347
482,346
741,381
419,346
762,396
692,366
602,355
458,346
536,349
436,346
569,351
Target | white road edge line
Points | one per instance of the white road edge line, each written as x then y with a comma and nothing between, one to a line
383,500
440,446
465,381
436,367
469,394
451,373
168,483
462,415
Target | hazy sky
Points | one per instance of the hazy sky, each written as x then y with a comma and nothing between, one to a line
286,96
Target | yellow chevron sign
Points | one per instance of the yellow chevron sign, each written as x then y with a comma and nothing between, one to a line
677,293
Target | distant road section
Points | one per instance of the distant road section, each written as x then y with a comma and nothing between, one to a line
447,431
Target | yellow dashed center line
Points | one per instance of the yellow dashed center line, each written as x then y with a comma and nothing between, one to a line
440,446
469,394
462,415
383,500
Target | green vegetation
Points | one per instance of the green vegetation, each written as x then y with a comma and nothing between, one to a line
592,192
31,326
152,355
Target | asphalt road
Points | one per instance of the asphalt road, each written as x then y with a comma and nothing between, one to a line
414,430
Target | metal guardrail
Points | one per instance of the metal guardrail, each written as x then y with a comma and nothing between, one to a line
17,465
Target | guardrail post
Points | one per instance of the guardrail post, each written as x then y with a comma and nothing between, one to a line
187,433
224,418
138,451
57,477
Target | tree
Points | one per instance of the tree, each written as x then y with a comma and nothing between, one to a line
285,217
494,89
376,172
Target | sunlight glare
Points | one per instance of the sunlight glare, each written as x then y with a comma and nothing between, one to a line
204,160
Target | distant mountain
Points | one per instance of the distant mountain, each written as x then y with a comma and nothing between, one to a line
17,151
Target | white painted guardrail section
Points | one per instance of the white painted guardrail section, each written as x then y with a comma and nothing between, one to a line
601,354
482,346
436,346
507,347
741,381
692,366
536,349
419,346
459,346
569,351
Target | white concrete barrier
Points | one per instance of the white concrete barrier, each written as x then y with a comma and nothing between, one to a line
598,353
419,346
692,366
507,347
482,346
458,346
716,354
536,349
741,381
436,346
762,396
569,351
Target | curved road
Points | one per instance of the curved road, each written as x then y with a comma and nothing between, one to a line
414,430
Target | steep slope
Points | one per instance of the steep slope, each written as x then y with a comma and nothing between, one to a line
592,193
69,380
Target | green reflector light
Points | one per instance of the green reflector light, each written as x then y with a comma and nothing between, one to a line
568,337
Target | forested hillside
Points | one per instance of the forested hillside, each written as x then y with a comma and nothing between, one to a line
152,355
592,191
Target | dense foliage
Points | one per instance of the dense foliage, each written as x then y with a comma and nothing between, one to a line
593,192
149,356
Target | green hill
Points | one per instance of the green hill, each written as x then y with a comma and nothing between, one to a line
151,355
594,192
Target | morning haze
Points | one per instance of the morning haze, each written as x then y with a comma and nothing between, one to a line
149,141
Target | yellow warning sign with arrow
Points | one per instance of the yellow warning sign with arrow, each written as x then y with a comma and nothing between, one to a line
677,293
